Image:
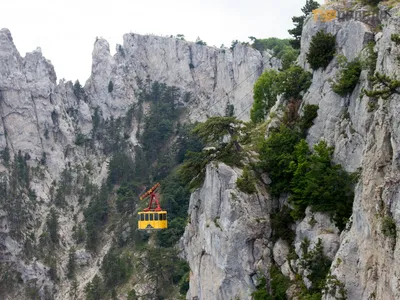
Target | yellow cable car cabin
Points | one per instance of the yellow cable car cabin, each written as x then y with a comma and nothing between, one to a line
152,220
152,217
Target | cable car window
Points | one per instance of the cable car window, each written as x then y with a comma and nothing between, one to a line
151,217
155,217
141,217
164,216
146,217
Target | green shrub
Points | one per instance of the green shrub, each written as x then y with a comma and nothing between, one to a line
120,169
78,234
80,139
199,41
281,222
383,86
110,86
94,290
278,46
116,268
281,49
160,121
193,170
96,215
289,56
310,112
79,92
52,226
187,141
6,156
170,236
246,182
261,292
320,183
126,196
233,44
395,38
371,2
184,284
369,63
389,227
266,89
165,268
8,278
335,288
276,155
279,285
322,50
290,82
71,266
293,81
317,266
212,133
132,295
348,78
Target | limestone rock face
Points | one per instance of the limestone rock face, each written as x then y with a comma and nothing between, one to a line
365,134
281,250
226,239
318,226
226,242
212,77
45,119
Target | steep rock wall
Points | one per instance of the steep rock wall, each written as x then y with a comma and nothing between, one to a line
366,139
213,77
365,134
44,119
226,240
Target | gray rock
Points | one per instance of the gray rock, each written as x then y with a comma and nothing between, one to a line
40,116
213,77
318,226
225,239
280,251
83,257
367,140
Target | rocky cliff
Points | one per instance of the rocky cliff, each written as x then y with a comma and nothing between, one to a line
364,132
48,126
213,77
52,130
365,138
226,241
369,140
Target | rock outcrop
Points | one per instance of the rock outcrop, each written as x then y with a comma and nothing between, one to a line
212,78
226,240
365,134
47,122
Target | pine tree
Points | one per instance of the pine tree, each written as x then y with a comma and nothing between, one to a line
71,264
299,21
215,128
52,226
6,156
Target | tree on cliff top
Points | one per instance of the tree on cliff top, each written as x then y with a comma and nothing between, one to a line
299,21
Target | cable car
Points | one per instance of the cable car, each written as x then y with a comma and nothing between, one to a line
152,217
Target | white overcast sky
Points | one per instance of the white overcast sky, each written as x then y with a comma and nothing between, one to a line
66,30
